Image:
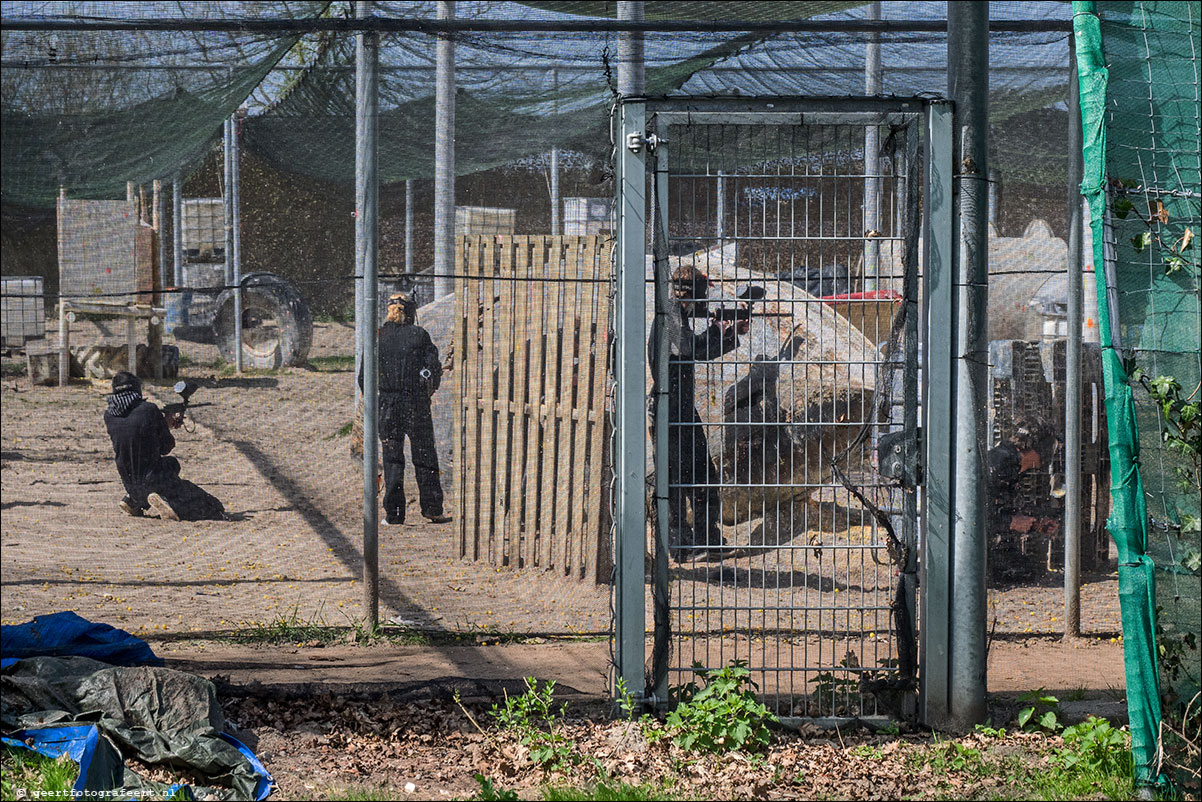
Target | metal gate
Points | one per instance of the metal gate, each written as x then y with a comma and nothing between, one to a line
784,362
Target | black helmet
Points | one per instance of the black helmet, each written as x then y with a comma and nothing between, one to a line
124,380
407,304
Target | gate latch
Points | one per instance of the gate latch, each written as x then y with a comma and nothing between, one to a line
635,142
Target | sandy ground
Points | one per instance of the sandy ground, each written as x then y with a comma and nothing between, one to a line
268,446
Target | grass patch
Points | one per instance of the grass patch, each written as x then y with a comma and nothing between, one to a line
607,792
340,363
12,368
383,793
37,776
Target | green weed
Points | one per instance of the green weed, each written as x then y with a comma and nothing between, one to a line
990,732
1041,714
533,716
722,716
490,793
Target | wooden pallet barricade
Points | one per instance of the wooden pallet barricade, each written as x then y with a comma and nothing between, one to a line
532,318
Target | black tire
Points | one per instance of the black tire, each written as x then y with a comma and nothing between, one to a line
277,327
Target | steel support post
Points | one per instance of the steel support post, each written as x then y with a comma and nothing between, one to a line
367,56
968,82
872,161
227,198
177,227
1072,365
160,219
939,421
630,365
236,237
556,213
408,226
444,159
662,299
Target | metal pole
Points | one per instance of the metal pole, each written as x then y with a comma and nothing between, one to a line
227,198
444,159
968,82
160,217
555,217
1072,365
409,226
236,237
177,227
872,161
367,55
630,377
939,420
995,197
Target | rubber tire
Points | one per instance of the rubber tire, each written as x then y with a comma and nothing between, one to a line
273,300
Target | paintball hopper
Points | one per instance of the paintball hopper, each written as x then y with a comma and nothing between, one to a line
185,389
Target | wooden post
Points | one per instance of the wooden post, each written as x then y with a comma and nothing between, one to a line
131,330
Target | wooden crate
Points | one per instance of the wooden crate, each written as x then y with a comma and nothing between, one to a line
531,344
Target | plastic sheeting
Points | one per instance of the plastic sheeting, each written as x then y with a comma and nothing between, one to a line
99,714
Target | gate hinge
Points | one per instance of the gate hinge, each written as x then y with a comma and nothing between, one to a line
635,141
897,456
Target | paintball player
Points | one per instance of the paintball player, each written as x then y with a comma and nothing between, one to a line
142,439
689,460
409,374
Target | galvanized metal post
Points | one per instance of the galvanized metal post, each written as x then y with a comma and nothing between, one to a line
939,421
1072,365
227,199
556,229
367,56
995,196
661,577
631,446
872,160
160,218
968,83
409,226
177,227
444,159
236,237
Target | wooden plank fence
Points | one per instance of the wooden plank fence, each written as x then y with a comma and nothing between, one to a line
532,325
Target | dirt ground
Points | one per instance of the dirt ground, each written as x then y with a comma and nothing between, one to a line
269,446
344,716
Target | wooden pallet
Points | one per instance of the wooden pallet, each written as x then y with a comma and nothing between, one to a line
532,320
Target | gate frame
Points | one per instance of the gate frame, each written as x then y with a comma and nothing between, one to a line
633,139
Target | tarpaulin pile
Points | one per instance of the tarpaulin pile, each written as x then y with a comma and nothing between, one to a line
56,702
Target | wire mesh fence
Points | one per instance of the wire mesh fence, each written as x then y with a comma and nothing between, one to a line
520,420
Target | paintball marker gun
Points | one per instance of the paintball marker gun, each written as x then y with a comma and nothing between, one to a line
742,311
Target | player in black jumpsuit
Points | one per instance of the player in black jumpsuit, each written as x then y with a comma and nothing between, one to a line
142,439
409,374
689,460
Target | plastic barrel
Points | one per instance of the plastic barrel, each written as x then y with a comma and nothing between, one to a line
176,306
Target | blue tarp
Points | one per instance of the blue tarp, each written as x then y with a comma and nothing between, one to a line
102,769
67,634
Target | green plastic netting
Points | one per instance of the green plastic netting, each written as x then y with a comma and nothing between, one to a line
1139,104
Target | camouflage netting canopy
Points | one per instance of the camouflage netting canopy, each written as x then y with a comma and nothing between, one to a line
91,110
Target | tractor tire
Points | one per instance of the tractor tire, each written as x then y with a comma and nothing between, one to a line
277,327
